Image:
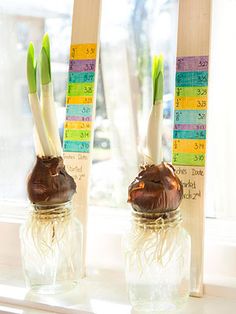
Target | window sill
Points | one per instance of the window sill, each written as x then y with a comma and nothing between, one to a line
103,291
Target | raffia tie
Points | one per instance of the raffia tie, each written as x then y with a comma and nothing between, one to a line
157,221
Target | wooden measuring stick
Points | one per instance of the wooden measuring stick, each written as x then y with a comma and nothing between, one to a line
189,136
80,102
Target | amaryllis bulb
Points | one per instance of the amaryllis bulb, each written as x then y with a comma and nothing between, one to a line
156,189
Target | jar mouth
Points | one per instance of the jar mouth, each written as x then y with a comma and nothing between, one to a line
155,221
46,206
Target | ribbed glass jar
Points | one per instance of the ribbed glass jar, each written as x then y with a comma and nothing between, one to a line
51,247
157,257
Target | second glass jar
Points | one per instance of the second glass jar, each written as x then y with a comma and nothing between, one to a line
157,258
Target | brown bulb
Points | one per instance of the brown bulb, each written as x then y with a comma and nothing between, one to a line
49,183
156,189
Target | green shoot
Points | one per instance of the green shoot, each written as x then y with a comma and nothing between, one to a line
31,69
44,67
46,46
158,78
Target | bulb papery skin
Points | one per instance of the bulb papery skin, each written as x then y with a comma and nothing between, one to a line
49,183
156,189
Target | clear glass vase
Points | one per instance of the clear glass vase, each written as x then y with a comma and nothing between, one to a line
51,247
157,258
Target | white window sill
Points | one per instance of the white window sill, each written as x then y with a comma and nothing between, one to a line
104,291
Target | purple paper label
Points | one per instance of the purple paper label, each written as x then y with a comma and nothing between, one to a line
82,65
78,118
189,127
187,64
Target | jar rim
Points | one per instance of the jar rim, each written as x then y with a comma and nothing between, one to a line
52,211
158,220
51,205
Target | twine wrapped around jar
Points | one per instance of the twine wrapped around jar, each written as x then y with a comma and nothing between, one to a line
51,212
156,221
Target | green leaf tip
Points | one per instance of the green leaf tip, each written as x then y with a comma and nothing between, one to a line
44,67
158,78
31,69
45,61
46,46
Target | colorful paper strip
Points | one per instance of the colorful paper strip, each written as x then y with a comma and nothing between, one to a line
189,146
189,159
189,127
78,125
76,146
83,51
199,63
78,118
81,77
189,134
196,91
195,103
80,89
79,100
190,117
191,78
82,65
75,100
77,135
79,110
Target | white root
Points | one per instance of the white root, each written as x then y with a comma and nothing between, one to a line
153,153
149,246
40,125
50,118
48,235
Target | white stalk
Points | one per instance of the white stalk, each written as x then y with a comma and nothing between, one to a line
50,118
153,153
40,125
38,146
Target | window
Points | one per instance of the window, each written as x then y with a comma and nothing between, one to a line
132,31
129,39
21,22
220,193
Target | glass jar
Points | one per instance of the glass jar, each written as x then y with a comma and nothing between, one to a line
51,247
157,261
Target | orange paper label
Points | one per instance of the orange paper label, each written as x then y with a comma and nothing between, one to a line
79,100
79,125
83,52
189,146
188,103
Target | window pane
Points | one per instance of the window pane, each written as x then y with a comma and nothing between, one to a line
221,149
132,31
22,22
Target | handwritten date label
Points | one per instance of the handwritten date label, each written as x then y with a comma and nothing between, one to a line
83,51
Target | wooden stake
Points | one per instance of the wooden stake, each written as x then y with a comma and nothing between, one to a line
81,100
189,143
